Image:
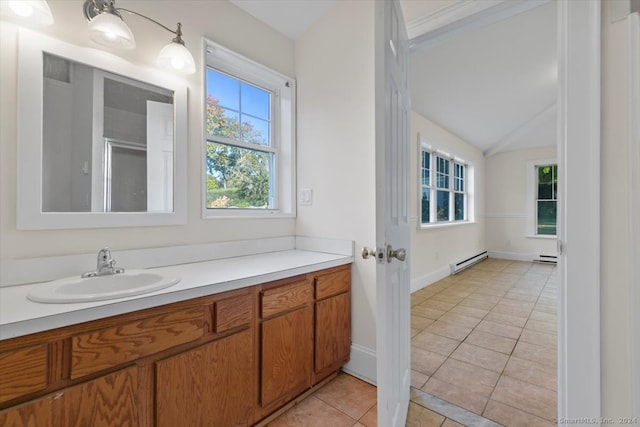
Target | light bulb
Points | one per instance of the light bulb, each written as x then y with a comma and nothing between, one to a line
177,63
21,8
32,13
174,56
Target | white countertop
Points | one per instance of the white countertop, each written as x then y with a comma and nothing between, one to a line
21,316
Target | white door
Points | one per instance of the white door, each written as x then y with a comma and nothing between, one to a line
392,215
159,157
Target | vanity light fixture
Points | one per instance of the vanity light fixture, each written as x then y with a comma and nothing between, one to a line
28,12
106,27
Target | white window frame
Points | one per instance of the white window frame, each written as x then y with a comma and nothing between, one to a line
283,90
425,146
532,198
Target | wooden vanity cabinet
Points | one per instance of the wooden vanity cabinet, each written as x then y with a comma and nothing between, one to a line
229,359
332,325
110,400
286,341
210,385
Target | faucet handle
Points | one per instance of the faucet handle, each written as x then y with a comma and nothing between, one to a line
104,254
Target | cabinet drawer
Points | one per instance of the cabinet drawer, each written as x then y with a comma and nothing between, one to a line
232,313
23,371
284,298
109,347
333,283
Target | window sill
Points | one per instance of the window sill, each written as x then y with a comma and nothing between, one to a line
444,225
542,236
245,213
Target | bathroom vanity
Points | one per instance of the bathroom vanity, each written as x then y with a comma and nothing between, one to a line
230,358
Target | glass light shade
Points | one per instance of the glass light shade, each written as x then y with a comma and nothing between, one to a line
110,30
176,57
27,12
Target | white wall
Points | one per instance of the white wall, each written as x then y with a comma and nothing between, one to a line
336,136
615,286
434,249
219,21
506,202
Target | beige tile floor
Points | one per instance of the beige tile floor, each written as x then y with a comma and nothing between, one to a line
484,340
349,402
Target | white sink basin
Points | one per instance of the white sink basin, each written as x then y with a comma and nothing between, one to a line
77,289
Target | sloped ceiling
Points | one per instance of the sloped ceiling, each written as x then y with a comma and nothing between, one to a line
493,85
496,86
289,17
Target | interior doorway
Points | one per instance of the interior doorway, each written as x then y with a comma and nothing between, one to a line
578,387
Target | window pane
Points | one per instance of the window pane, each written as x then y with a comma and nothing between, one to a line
442,201
223,90
237,110
238,177
255,131
442,172
545,182
425,207
459,177
222,122
547,217
255,101
459,206
426,168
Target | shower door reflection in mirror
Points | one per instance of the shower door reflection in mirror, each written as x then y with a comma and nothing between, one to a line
108,141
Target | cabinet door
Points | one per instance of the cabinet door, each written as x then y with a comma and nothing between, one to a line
287,352
107,401
332,333
211,385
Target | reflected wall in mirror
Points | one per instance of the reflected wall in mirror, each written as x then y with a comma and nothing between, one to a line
110,141
107,141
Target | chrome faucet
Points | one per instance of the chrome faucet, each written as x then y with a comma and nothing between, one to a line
106,265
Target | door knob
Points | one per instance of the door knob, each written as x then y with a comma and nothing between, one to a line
367,252
375,253
399,254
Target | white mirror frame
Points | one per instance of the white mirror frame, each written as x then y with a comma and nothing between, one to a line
31,46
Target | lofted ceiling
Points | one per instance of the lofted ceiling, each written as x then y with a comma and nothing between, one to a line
289,17
494,86
492,83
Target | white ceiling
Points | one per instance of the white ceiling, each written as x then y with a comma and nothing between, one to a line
289,17
494,86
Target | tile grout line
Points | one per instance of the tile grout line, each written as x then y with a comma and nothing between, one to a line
488,280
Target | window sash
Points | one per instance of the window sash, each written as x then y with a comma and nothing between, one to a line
546,198
260,150
443,184
271,146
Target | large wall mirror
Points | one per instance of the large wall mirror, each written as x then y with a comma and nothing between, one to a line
101,142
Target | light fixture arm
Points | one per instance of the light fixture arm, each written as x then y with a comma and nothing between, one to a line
177,32
94,7
107,28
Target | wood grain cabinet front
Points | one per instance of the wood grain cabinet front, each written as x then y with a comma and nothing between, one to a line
228,359
109,347
210,385
23,371
286,341
110,400
332,325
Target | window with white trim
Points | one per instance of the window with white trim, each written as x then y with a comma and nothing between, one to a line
546,199
444,188
249,137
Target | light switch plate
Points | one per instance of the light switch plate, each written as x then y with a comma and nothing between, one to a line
306,197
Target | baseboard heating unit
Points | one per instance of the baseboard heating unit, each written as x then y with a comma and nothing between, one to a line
466,263
546,259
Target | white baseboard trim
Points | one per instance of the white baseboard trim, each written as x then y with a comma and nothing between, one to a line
430,278
515,256
363,364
